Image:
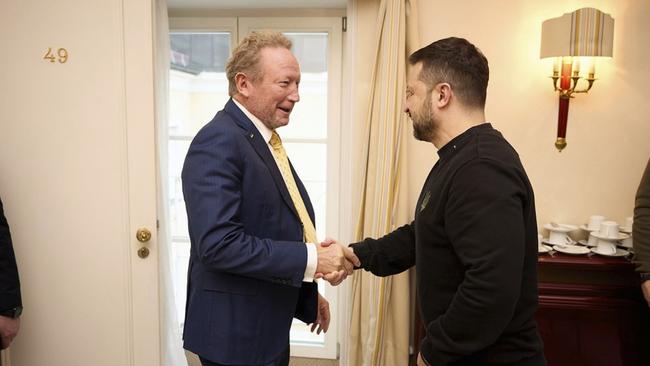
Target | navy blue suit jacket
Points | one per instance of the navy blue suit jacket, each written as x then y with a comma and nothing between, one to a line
247,257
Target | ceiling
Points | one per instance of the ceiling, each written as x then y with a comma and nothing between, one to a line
256,4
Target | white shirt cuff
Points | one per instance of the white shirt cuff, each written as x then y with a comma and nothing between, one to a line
312,263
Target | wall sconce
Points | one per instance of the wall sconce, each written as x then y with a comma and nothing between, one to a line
574,37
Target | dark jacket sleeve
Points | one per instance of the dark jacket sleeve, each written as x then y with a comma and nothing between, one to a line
484,221
389,255
9,283
641,228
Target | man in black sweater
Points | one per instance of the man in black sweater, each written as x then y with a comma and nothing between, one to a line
474,237
10,301
641,232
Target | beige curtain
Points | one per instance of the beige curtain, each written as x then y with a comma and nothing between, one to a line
173,353
380,321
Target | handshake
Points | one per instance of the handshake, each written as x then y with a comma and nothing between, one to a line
335,262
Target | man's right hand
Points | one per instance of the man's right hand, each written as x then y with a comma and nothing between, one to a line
8,330
645,287
335,262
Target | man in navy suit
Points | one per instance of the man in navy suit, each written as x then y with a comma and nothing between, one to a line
254,253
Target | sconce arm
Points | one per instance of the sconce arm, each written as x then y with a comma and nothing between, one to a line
590,80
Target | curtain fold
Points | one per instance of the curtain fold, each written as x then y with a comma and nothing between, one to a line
172,347
380,321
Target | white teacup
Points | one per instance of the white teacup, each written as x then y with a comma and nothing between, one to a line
627,242
593,241
629,221
559,238
540,246
609,229
606,247
595,221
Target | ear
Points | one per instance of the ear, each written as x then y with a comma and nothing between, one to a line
442,95
243,84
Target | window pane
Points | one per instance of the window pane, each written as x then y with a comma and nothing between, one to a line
309,116
197,80
310,50
177,213
180,249
195,53
300,334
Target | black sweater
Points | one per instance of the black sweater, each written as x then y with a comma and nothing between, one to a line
474,244
641,230
9,284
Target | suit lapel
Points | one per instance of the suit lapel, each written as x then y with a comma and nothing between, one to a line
262,149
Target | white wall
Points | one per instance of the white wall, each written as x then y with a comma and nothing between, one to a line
608,129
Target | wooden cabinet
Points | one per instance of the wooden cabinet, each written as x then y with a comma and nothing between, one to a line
591,311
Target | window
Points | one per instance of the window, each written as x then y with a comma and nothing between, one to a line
199,88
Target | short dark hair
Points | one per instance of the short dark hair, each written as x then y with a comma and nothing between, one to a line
458,62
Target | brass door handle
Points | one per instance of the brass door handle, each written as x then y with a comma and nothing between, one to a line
143,235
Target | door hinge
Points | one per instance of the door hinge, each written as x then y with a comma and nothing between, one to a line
345,24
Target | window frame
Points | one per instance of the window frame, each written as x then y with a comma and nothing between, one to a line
239,27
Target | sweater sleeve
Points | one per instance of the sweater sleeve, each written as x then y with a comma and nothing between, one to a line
485,224
391,254
641,227
9,283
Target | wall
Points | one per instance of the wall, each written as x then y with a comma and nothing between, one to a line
608,130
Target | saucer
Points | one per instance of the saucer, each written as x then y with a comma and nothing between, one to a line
544,249
621,236
571,249
619,252
562,228
624,246
586,228
545,241
586,243
627,230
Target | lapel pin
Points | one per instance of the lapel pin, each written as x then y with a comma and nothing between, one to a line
425,201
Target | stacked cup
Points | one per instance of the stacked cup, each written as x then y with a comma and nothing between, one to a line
593,226
627,229
608,236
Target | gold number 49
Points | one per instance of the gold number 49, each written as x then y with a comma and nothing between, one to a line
61,55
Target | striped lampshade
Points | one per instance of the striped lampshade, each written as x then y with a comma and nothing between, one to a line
585,32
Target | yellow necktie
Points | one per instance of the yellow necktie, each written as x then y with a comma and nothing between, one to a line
280,155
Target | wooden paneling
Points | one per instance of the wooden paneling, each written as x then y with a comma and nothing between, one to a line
591,312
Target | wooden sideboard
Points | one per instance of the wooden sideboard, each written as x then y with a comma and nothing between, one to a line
591,311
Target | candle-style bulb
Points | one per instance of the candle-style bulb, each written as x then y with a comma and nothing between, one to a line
576,66
592,69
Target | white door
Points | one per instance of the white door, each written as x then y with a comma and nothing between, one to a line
77,176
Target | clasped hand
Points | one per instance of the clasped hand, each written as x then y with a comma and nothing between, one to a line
335,262
8,330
